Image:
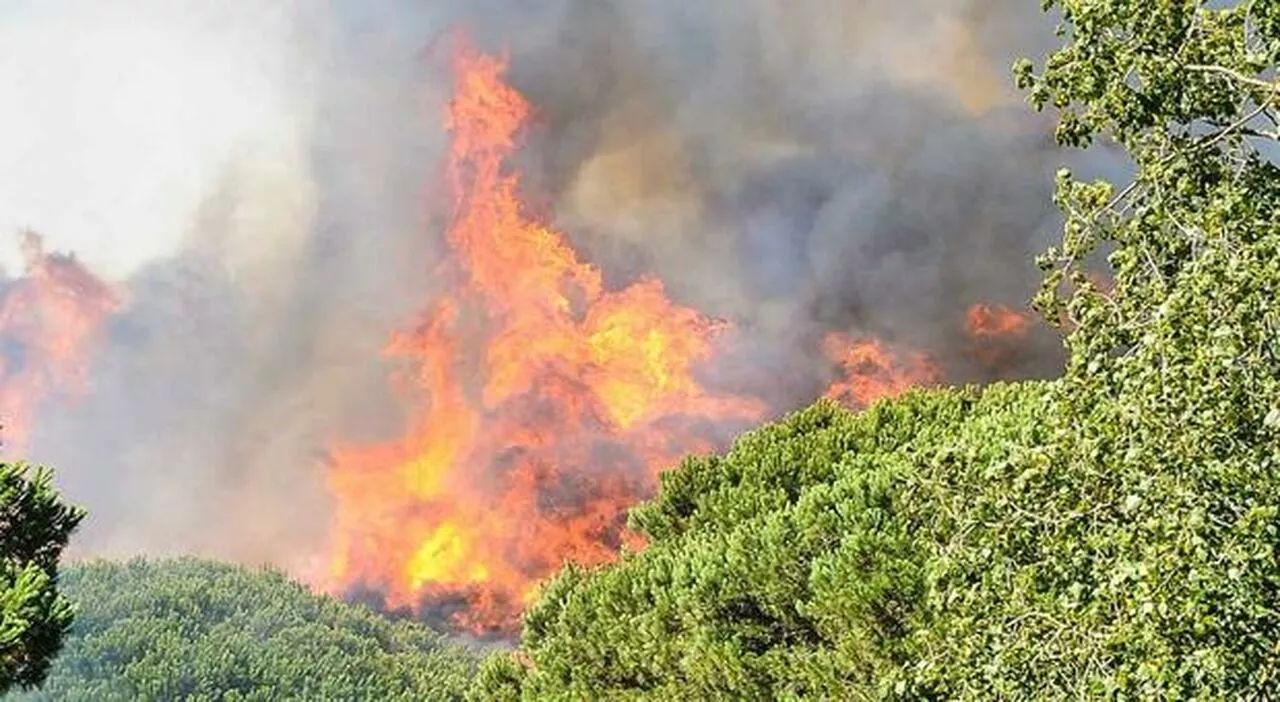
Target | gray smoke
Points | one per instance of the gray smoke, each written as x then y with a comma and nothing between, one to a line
797,167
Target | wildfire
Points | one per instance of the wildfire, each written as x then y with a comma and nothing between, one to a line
995,321
872,370
995,331
542,403
50,320
545,403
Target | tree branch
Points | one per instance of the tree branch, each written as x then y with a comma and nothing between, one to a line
1232,128
1236,75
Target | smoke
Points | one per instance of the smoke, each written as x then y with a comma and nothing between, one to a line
259,304
798,167
119,114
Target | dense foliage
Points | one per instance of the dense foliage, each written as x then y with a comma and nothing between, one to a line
811,560
1171,398
193,630
1114,533
35,525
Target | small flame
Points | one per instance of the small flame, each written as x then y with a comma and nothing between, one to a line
995,321
996,331
871,370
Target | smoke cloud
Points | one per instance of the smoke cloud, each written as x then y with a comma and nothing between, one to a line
797,167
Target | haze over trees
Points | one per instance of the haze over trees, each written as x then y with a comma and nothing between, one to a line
1111,533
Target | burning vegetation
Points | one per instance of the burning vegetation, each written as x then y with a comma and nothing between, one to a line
545,403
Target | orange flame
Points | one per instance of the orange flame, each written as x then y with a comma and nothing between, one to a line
872,370
50,319
546,404
995,321
995,331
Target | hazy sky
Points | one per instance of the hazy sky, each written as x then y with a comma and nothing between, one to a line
116,115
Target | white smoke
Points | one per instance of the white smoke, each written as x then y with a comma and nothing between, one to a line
120,114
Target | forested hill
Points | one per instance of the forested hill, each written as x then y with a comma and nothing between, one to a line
195,630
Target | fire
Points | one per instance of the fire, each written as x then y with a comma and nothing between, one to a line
995,331
545,404
50,320
873,370
995,321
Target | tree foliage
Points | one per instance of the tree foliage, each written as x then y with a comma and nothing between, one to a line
1114,533
1172,392
35,525
801,564
194,630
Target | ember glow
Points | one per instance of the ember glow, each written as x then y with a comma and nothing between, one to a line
996,332
50,321
995,321
546,404
872,370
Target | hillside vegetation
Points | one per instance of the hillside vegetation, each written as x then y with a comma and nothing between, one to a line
1111,534
194,630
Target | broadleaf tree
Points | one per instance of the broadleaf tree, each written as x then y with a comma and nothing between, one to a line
1172,389
1113,533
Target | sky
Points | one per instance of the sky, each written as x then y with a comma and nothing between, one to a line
117,114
